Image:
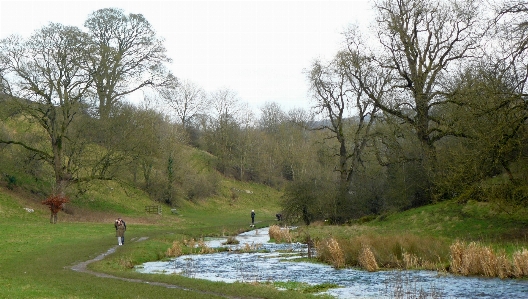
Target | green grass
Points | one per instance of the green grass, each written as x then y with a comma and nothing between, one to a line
37,256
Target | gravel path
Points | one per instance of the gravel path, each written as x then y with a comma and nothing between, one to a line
83,267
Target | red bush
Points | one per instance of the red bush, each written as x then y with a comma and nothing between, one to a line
55,202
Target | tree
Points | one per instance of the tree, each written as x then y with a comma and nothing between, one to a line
123,55
55,204
186,99
50,86
225,127
493,114
337,96
307,200
271,117
421,41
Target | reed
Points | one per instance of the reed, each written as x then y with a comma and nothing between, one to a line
197,247
280,234
478,259
175,250
367,260
329,251
520,263
401,286
231,241
247,248
204,249
404,251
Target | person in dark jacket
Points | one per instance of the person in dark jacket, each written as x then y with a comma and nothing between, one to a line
253,218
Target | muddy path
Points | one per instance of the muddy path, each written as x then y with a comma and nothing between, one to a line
83,268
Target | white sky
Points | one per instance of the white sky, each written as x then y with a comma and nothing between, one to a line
259,49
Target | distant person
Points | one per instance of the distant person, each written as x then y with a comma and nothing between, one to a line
124,224
120,230
253,218
279,217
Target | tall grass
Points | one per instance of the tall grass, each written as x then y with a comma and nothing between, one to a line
330,252
372,252
280,234
367,260
520,263
477,259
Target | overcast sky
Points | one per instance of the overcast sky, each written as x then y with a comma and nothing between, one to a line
259,49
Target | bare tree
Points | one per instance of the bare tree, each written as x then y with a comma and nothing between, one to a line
49,85
123,56
420,42
271,116
186,99
338,97
225,105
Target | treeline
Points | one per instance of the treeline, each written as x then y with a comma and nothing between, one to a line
429,105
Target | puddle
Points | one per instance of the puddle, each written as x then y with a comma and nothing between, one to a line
273,265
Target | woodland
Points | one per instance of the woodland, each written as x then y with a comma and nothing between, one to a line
428,105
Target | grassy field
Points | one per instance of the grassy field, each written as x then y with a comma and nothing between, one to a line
37,257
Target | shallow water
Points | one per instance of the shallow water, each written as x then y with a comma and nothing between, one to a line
273,266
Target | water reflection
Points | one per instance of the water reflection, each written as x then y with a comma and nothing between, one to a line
273,265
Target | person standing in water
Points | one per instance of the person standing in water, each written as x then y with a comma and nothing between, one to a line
253,218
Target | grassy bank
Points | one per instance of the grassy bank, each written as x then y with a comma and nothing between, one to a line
471,238
37,256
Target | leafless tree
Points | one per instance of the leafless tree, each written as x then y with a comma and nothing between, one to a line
49,85
421,40
348,114
123,55
186,99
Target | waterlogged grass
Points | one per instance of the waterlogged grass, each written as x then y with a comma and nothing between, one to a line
305,287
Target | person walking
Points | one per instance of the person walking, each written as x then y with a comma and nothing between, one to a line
124,224
120,231
252,218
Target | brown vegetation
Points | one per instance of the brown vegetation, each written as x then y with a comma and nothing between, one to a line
329,251
478,259
367,260
280,234
372,252
175,250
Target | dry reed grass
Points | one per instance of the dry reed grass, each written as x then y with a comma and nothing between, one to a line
477,259
280,234
367,260
250,247
175,250
404,251
204,249
198,247
330,251
520,263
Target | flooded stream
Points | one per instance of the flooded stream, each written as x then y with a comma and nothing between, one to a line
271,264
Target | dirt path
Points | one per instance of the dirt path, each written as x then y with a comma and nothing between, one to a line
83,267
